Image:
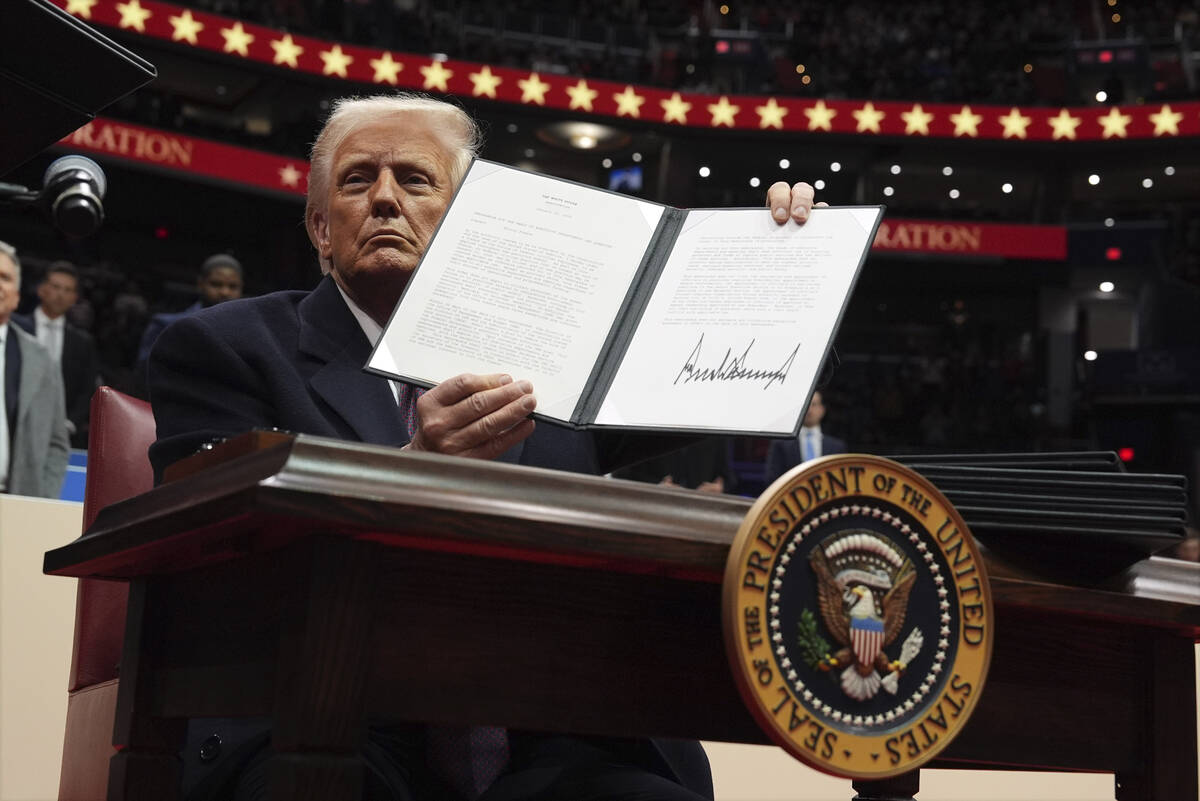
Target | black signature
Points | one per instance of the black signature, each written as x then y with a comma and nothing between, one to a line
733,368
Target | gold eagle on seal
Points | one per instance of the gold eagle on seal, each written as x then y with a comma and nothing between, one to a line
863,584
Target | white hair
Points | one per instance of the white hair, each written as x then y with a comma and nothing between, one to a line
11,252
458,132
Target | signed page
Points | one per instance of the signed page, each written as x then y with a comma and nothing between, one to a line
740,320
525,276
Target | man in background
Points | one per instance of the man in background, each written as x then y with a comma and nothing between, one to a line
220,280
33,424
68,345
812,443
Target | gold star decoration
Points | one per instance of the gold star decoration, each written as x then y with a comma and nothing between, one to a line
186,27
1166,121
1015,124
335,61
81,8
916,121
290,176
484,82
387,69
723,112
868,118
1064,125
287,51
133,15
533,89
771,115
1114,123
581,95
629,102
820,117
237,40
966,122
436,77
675,109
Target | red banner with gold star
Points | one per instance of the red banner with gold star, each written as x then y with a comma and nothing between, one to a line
363,65
169,150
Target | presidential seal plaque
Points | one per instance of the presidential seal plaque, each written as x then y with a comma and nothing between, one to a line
857,616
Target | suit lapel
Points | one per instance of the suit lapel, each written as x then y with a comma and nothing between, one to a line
12,376
33,366
331,336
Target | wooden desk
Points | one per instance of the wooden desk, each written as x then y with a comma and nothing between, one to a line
325,583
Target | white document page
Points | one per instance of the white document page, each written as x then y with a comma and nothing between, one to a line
734,334
525,276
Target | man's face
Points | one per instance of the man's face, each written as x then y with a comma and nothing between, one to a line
10,288
58,292
221,284
816,411
389,186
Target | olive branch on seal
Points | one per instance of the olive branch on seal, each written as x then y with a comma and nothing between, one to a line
814,650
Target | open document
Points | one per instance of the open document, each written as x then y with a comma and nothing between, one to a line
624,313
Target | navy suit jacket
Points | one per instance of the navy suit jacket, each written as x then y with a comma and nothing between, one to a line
80,371
784,454
293,360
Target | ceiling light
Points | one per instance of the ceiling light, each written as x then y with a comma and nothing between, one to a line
636,157
1107,286
1090,355
754,182
819,184
888,191
835,166
1101,96
1006,188
895,169
1109,222
1168,170
947,171
784,164
954,194
1093,179
1147,183
705,172
606,163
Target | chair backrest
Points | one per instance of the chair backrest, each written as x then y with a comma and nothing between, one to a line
122,428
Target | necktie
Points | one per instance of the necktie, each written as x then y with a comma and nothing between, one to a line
808,450
468,758
406,400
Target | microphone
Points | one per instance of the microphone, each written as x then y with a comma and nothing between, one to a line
73,190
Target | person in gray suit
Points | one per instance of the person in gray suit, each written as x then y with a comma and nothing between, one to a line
33,427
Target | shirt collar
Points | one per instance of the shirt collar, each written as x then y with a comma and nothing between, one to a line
42,319
372,329
811,429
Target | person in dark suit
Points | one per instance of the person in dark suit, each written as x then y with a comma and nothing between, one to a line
73,348
220,280
784,454
383,172
33,423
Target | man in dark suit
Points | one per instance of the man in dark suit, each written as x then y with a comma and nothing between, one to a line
383,172
72,347
784,454
220,280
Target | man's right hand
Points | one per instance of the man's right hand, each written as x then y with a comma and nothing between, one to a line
478,416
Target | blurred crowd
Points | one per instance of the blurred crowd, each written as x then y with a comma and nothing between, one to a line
934,51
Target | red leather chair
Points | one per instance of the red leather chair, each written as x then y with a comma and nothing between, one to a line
122,429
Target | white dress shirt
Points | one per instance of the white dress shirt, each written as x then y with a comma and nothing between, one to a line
49,332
